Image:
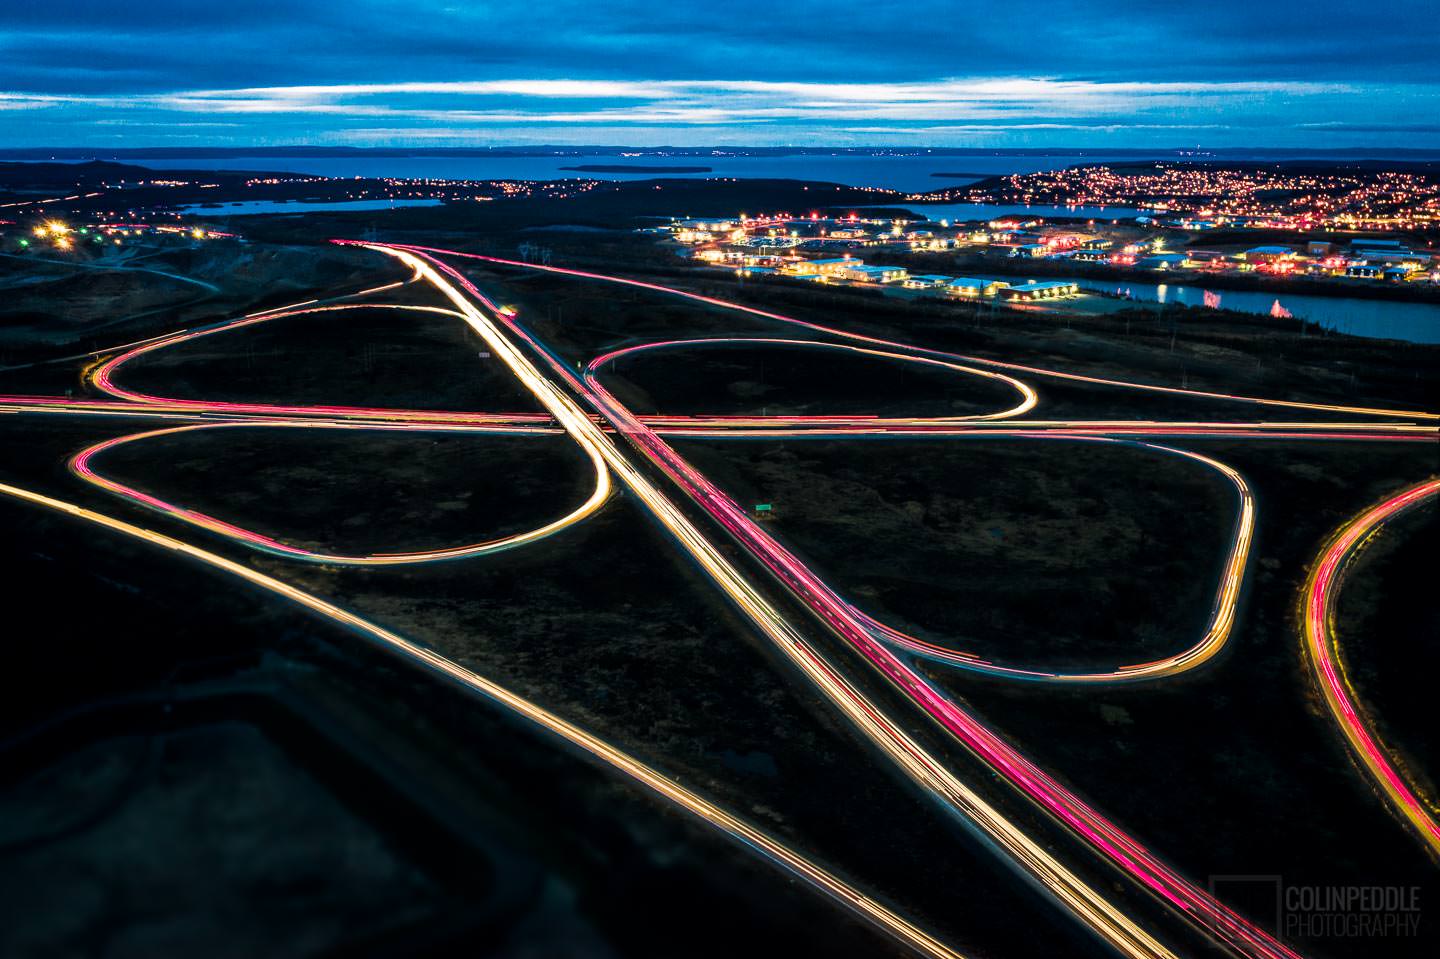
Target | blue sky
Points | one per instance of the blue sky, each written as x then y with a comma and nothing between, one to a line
979,74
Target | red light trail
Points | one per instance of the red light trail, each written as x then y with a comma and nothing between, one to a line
607,420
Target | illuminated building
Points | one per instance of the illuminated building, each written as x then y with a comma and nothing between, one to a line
1205,259
1041,290
816,268
858,272
1162,261
971,288
926,281
1268,254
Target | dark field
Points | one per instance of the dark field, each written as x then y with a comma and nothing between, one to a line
99,298
249,777
1387,624
361,491
363,357
1237,769
162,721
1206,350
605,624
1044,554
775,379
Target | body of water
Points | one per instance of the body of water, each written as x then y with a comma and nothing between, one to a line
240,208
906,173
910,173
960,212
1414,322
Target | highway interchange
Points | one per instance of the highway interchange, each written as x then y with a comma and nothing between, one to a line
632,453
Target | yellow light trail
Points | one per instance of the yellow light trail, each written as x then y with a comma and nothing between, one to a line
1027,401
604,455
959,357
927,771
1103,837
1211,642
1322,645
836,888
80,465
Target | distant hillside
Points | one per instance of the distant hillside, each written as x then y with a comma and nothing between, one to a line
15,175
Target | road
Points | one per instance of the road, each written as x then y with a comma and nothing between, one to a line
611,436
926,770
1105,839
791,861
117,267
1323,646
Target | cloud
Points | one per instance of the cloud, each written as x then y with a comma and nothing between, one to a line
1340,126
1003,128
737,101
574,70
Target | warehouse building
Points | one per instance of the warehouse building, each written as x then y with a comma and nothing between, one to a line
857,272
1041,290
971,288
926,281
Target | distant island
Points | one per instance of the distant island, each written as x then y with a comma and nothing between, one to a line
580,152
631,168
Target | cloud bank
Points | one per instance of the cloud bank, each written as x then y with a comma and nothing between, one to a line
1026,72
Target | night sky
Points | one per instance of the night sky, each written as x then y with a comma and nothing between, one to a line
1019,73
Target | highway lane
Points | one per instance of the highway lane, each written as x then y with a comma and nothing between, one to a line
222,412
141,404
180,334
881,916
719,427
339,298
1104,838
101,376
1322,645
1027,396
843,427
1222,614
887,734
941,354
342,417
132,402
81,464
120,267
1212,640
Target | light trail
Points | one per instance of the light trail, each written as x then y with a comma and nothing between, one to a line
1211,642
865,635
82,467
1323,646
737,829
726,427
845,427
1028,399
101,376
205,411
1085,902
1104,839
957,357
169,336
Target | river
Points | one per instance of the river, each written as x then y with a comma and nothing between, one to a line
1385,319
906,173
243,207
